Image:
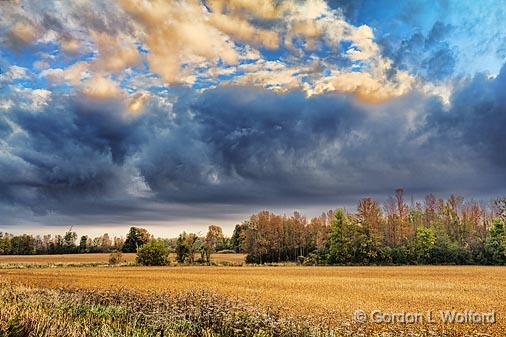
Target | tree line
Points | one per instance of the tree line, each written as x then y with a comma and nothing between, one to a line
433,231
58,244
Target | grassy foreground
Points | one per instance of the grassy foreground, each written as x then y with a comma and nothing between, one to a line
323,297
72,313
26,312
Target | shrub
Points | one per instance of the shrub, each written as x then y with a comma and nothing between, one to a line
115,258
153,253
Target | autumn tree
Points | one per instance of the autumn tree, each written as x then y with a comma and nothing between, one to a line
500,208
136,238
371,217
213,240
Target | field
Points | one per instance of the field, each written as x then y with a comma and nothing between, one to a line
96,258
327,295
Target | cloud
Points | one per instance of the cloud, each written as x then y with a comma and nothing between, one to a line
178,34
22,34
73,74
210,43
115,53
250,145
68,150
429,56
242,30
247,146
476,118
101,88
145,110
14,73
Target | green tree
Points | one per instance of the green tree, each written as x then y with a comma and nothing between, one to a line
5,244
83,244
23,245
340,243
182,248
425,241
496,243
136,238
153,253
187,245
69,242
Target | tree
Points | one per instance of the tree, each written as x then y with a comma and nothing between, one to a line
105,243
83,244
182,248
340,244
118,243
5,244
500,205
69,242
237,238
136,238
187,245
262,238
22,245
195,245
214,239
424,243
153,253
370,215
496,243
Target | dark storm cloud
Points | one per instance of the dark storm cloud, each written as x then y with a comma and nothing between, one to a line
476,119
248,147
5,129
70,150
256,146
247,144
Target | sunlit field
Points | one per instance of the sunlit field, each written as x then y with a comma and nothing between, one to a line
328,295
96,258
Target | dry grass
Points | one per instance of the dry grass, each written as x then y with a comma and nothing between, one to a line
331,294
98,258
30,312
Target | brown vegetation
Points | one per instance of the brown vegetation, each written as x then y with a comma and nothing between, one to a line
328,295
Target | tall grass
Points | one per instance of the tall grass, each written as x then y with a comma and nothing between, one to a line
27,312
75,313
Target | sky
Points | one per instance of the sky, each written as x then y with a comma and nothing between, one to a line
180,114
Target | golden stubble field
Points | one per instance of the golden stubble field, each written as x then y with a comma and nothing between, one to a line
330,294
97,258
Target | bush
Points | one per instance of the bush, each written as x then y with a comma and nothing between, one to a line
153,253
115,258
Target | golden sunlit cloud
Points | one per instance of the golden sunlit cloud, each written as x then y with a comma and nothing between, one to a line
219,41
